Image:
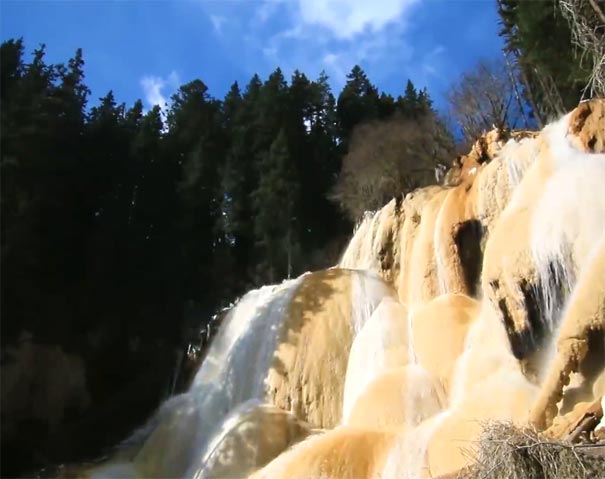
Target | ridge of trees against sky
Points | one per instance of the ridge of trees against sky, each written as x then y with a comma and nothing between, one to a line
120,223
120,218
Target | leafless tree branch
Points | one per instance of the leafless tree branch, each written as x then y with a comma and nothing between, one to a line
587,22
389,158
484,98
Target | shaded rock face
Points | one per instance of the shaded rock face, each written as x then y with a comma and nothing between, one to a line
482,299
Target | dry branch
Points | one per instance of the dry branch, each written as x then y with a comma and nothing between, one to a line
587,22
507,452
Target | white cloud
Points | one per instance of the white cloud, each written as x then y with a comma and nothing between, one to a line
337,65
154,88
174,81
217,23
431,63
270,53
266,10
438,50
348,18
333,35
429,69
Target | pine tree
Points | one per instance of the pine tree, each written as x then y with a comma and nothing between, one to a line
408,102
195,142
231,107
357,103
324,105
276,201
386,106
238,177
319,220
539,40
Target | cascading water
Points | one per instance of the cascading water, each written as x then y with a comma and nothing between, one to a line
391,356
359,251
233,372
366,295
378,346
559,248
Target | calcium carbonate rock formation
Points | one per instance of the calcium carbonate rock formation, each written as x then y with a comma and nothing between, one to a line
585,315
309,365
439,330
345,453
482,299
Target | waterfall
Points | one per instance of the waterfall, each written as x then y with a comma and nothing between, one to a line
232,373
377,347
385,366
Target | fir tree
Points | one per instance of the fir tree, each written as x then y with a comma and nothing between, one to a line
275,202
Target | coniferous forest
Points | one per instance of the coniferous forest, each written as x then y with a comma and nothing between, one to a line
119,218
124,229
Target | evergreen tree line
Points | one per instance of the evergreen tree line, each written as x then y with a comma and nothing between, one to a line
119,218
120,221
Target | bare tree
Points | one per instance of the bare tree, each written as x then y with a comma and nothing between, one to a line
484,98
389,158
587,22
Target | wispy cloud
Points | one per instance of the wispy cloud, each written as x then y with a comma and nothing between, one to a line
337,64
431,63
217,23
333,35
157,90
392,40
152,89
265,11
347,18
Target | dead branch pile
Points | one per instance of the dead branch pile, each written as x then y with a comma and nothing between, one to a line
508,452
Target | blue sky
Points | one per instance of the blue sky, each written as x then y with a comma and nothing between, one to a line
147,48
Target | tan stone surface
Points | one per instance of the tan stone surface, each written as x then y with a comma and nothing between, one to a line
440,328
423,277
397,398
343,453
585,313
310,363
586,124
412,207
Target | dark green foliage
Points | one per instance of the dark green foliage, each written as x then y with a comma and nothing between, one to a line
275,204
114,218
550,69
357,103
